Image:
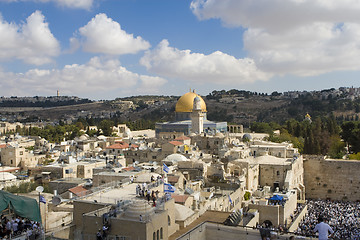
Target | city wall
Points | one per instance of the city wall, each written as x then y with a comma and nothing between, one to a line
331,179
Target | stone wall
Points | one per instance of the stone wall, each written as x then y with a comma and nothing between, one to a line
268,212
331,179
294,225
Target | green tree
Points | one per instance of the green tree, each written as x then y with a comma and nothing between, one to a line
337,148
106,126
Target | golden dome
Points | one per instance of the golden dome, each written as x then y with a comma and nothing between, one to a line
185,103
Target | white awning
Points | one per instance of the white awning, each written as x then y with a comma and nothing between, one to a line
5,176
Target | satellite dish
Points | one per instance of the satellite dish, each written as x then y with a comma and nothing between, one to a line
56,200
39,189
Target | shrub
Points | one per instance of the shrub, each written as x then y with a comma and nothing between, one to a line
247,196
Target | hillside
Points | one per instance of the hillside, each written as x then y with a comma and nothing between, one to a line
234,106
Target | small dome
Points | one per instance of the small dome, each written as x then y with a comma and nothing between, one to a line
139,208
247,136
84,137
219,135
176,158
101,137
186,103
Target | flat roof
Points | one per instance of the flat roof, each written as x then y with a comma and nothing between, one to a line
212,216
126,174
271,160
127,192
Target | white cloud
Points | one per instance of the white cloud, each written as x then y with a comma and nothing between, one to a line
85,4
276,15
95,77
31,42
306,51
104,35
301,37
82,4
216,67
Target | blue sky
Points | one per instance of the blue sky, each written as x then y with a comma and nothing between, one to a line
103,49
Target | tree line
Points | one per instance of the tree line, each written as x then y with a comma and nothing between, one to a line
62,131
323,136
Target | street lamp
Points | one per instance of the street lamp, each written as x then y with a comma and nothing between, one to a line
40,189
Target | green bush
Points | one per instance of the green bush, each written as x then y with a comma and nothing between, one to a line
247,196
27,187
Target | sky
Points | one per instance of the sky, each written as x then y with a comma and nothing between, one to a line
104,49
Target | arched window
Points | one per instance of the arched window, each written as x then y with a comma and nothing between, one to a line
157,235
154,237
161,233
169,220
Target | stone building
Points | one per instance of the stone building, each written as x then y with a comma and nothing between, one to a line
16,156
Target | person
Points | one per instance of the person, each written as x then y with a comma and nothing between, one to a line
148,197
98,235
323,229
104,231
138,190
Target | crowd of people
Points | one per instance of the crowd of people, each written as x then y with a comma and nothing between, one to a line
15,226
343,217
145,192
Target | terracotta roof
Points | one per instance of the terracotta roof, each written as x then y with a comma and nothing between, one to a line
78,191
129,168
173,179
2,145
118,146
176,143
179,198
182,138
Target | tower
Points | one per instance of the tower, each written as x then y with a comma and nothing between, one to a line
307,118
197,117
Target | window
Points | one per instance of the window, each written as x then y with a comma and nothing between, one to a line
169,220
153,157
157,235
21,152
11,161
277,173
161,233
154,237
